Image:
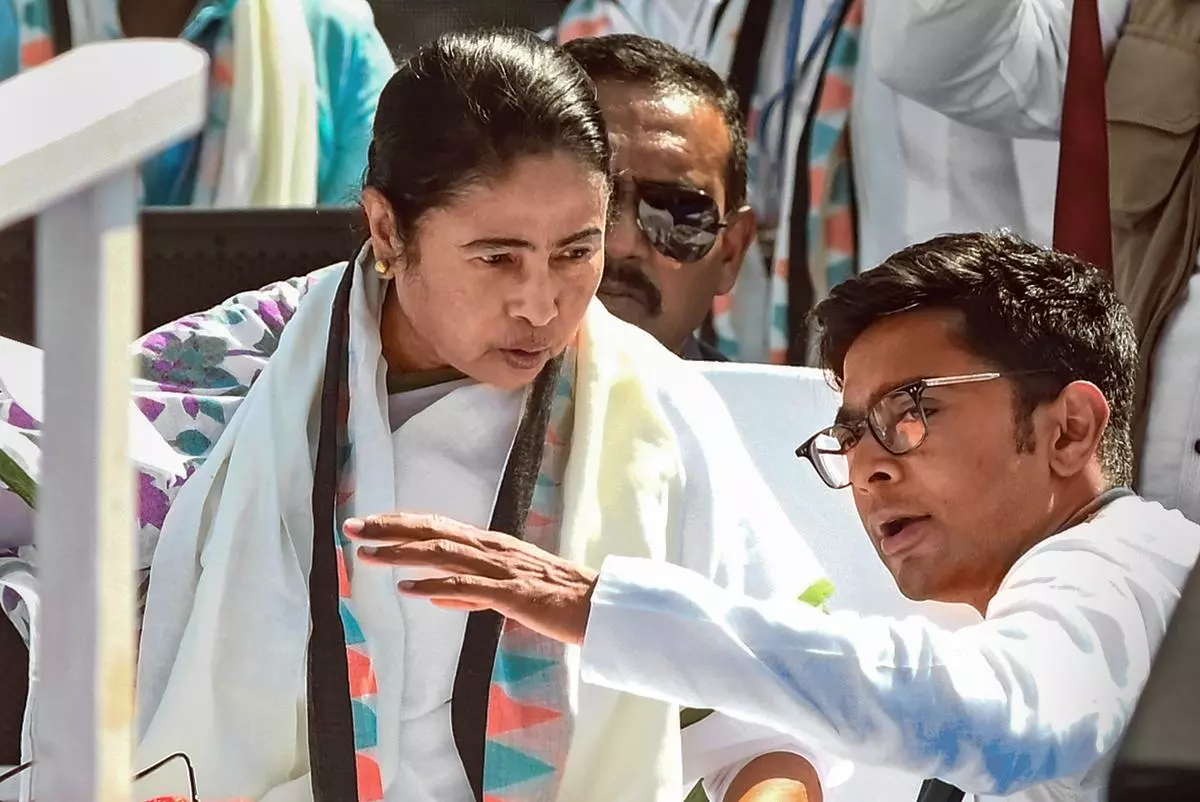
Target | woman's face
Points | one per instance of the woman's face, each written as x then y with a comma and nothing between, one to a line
503,274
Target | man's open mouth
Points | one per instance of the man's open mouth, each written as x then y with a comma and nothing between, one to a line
898,534
897,525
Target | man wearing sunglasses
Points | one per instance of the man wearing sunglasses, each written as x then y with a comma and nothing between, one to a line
680,226
985,435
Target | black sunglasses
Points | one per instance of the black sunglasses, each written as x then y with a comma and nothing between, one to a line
681,222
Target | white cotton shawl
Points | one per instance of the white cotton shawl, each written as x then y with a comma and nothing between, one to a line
222,667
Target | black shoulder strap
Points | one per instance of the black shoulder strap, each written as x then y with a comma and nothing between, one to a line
939,791
801,293
473,679
60,26
747,53
330,720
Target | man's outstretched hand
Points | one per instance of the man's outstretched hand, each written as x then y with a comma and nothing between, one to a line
483,570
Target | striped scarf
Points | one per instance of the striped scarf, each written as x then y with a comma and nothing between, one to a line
831,250
832,243
529,721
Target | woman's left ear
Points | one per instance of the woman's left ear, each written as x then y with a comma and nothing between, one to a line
382,222
1081,415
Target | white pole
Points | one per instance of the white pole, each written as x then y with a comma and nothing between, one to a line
88,298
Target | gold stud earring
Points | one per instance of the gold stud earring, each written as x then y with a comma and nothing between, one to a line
381,268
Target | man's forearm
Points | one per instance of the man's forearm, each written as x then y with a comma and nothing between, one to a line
777,777
850,684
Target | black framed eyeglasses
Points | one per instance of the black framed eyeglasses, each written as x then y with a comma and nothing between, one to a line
681,222
897,421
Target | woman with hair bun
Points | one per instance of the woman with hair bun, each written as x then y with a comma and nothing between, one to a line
457,365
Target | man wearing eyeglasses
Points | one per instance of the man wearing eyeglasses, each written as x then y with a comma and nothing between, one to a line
680,228
985,436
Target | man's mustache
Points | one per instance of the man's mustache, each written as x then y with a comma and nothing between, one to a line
632,281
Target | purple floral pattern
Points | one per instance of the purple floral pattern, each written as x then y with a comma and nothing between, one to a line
192,375
186,359
152,502
19,417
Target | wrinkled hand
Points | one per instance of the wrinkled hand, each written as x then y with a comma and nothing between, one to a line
486,570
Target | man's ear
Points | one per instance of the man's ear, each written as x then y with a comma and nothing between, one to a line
1077,421
738,235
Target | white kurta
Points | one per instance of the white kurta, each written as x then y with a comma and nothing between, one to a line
1031,702
451,442
993,72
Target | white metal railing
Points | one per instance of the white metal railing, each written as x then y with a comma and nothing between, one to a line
72,133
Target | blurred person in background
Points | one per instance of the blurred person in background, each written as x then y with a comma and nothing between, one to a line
681,227
292,91
843,170
1000,65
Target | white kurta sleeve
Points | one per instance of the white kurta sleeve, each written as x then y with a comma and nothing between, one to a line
734,533
1041,690
996,64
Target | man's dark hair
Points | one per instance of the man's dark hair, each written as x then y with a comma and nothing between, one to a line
1024,308
632,59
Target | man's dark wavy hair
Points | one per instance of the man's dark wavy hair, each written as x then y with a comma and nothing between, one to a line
1024,308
